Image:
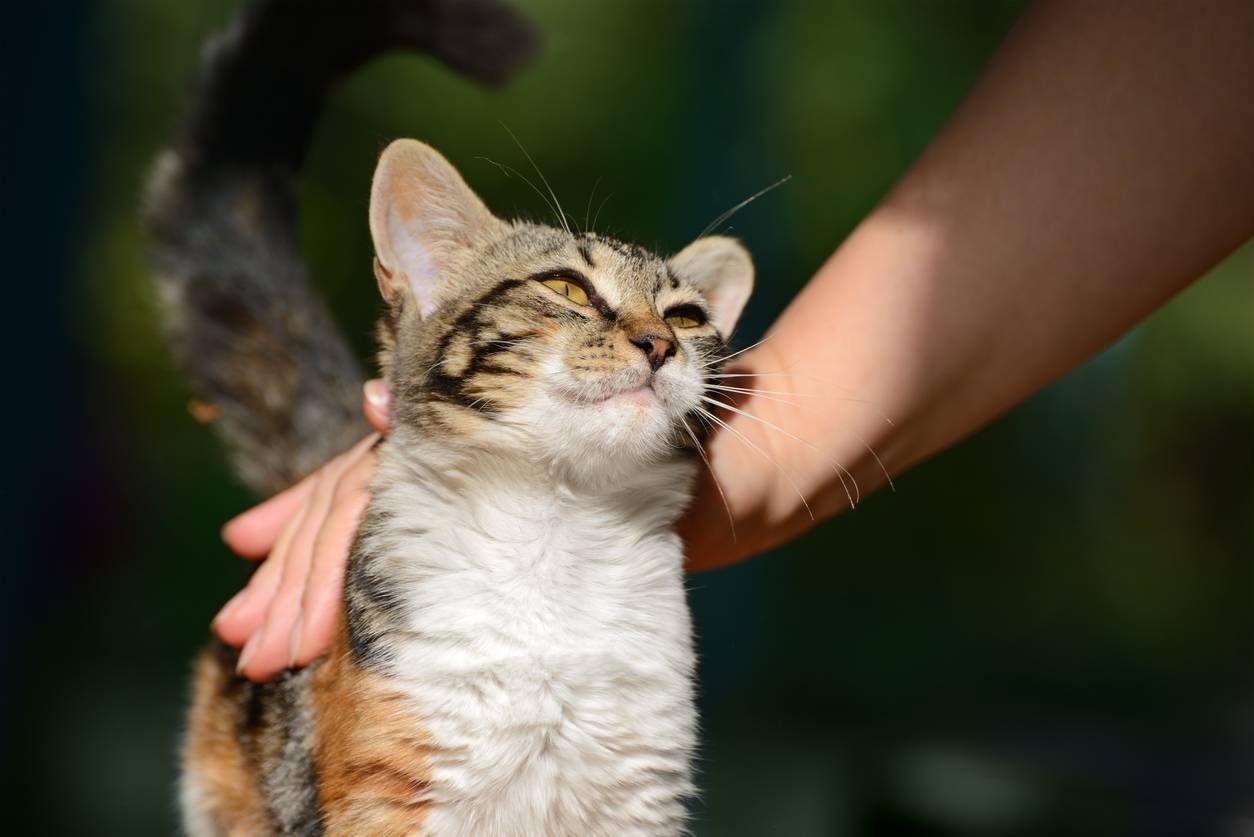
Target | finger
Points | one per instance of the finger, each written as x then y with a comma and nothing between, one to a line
246,617
243,615
253,533
319,604
267,653
270,651
376,403
250,533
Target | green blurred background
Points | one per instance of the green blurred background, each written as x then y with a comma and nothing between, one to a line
1047,630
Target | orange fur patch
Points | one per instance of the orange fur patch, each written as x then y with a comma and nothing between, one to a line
370,751
202,412
222,785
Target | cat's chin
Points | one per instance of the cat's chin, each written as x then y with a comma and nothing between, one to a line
609,438
642,396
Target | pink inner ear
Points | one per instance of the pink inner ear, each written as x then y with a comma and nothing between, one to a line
727,301
413,258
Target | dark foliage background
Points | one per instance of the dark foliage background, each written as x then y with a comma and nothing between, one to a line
1047,630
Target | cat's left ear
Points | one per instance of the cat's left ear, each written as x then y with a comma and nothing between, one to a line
422,215
721,269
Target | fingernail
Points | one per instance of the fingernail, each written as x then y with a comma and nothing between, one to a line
294,648
229,608
247,653
377,393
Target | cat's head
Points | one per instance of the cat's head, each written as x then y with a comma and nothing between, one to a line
575,348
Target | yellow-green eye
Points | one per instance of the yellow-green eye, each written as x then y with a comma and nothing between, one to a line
682,321
568,289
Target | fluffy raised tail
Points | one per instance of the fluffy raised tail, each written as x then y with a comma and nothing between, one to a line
258,345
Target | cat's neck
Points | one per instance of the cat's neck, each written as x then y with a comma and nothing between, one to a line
516,496
453,552
449,534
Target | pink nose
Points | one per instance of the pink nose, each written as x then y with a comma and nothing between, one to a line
655,347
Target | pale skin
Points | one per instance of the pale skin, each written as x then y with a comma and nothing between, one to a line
1103,161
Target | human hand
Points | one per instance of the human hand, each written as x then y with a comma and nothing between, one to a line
286,614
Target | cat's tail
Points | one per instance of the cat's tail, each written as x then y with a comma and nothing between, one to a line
273,371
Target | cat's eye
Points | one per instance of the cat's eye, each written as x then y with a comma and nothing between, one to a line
685,316
568,289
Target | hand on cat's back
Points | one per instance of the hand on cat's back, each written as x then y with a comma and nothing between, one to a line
286,614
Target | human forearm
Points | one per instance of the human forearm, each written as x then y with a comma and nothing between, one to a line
1101,164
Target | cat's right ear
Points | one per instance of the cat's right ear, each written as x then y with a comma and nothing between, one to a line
421,215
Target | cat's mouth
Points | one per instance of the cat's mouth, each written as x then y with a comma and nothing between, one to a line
644,395
629,386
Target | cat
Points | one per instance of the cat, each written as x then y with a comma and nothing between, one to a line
514,653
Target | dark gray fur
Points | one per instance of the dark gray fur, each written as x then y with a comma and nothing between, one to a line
243,322
254,340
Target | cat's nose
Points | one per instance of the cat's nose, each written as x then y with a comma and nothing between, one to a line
655,347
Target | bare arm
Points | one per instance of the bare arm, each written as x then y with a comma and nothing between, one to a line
1104,161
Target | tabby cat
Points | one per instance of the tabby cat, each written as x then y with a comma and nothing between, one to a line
514,654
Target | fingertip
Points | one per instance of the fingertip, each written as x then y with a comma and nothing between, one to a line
315,630
262,658
230,607
246,612
377,404
234,629
253,532
246,655
223,623
241,537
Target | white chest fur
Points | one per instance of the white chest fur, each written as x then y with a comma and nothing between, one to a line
546,646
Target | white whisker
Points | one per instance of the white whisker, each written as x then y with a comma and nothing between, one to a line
836,466
597,215
849,398
588,209
801,496
730,520
560,213
769,396
720,360
507,170
733,393
753,390
757,393
729,213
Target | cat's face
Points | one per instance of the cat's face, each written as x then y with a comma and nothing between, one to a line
574,348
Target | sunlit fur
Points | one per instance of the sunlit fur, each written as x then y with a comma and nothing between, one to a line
518,571
510,365
515,654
